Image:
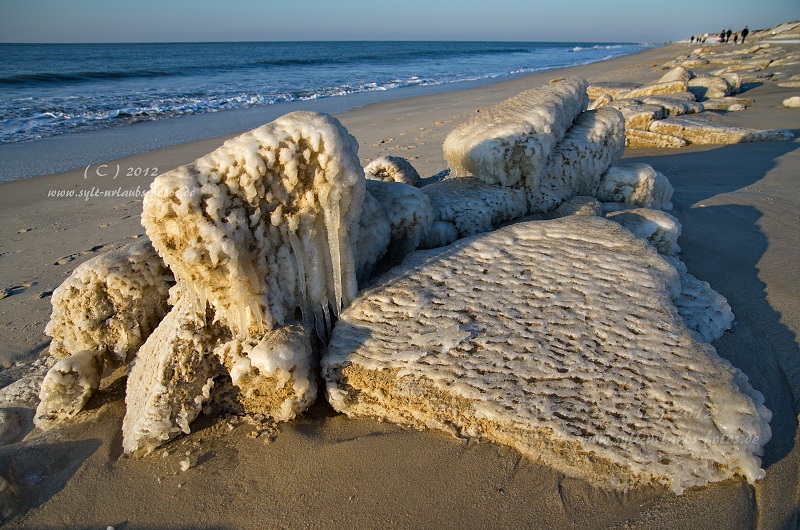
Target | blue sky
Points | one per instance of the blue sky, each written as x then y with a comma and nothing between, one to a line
236,20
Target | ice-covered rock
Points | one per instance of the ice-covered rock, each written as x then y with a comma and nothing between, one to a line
67,387
679,73
637,114
657,89
102,313
171,378
674,107
273,373
792,102
560,339
704,311
700,131
636,184
266,224
471,206
594,143
392,169
509,143
605,99
612,88
578,205
110,304
262,235
409,213
657,227
709,86
639,138
374,236
734,81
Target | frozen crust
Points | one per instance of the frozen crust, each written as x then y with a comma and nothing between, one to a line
558,338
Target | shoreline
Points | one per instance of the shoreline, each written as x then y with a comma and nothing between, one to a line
738,206
62,153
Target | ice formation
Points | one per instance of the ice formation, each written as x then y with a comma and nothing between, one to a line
658,89
509,143
102,313
110,304
392,169
578,205
595,142
409,213
374,236
171,378
659,228
274,372
558,338
704,311
266,224
261,235
470,206
699,131
637,185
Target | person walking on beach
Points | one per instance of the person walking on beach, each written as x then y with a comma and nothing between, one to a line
735,37
728,35
745,31
692,39
722,36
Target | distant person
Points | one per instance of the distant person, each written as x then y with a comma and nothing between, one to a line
728,35
692,39
722,36
735,37
745,31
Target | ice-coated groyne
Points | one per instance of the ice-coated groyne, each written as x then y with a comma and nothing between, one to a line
558,338
509,143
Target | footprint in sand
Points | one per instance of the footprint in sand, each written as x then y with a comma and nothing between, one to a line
73,257
11,291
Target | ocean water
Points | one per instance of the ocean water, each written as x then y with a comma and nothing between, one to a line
51,90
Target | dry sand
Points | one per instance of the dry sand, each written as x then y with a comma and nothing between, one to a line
740,209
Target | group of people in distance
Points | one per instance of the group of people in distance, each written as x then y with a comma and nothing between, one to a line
724,36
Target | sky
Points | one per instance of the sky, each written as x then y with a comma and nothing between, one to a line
292,20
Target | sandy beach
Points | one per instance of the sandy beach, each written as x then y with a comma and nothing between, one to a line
738,205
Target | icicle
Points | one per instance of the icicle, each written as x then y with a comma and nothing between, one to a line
332,225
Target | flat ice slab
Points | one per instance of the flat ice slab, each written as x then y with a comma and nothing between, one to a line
558,338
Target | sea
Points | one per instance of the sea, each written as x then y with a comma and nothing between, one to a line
82,91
